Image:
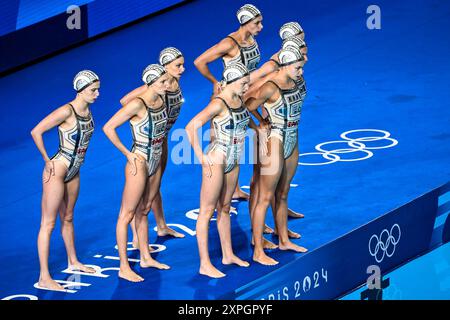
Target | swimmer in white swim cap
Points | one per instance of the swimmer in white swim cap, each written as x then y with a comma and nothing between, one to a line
173,62
147,116
220,164
238,46
281,99
61,176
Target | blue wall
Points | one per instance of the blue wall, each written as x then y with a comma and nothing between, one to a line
30,29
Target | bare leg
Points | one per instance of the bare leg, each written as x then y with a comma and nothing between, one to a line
271,168
223,219
66,210
209,196
281,199
151,190
52,196
291,213
163,229
131,197
291,234
157,206
254,194
133,231
295,215
254,190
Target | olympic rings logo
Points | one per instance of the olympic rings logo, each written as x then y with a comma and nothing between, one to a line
351,145
385,244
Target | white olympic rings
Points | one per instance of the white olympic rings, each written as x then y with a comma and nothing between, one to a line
351,145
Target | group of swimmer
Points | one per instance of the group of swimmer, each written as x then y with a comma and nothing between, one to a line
273,94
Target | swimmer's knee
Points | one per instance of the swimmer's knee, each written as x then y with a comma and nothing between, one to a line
282,195
265,198
225,208
145,209
126,215
207,211
48,226
68,216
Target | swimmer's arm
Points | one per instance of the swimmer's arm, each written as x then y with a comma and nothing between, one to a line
213,109
123,115
254,88
262,95
257,84
52,120
217,51
266,68
133,94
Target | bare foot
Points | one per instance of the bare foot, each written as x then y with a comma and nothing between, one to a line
136,246
267,229
264,259
294,235
169,232
235,260
78,266
50,284
211,271
291,234
293,214
152,263
268,245
241,195
292,246
130,275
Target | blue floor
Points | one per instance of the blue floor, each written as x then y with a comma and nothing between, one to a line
395,79
424,278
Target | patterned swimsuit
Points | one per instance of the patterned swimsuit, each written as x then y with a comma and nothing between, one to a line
148,136
73,144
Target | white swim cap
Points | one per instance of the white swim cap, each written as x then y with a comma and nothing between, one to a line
168,55
234,72
290,29
247,13
294,41
290,55
84,79
152,73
